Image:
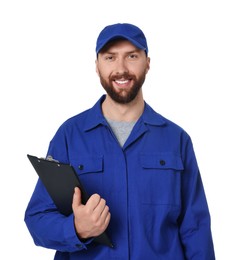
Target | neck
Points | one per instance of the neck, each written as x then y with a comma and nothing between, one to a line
123,112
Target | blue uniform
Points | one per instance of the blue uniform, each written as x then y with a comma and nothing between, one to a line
152,186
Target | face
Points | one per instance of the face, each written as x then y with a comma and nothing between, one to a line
122,68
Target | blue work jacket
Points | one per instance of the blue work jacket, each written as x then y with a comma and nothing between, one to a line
152,186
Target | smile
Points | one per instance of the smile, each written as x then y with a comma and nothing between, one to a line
121,82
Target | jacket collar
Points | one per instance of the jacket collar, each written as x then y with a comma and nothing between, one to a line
95,116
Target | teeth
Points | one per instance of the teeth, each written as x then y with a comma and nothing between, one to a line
121,81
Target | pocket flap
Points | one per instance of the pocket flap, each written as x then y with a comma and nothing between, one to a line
161,161
89,164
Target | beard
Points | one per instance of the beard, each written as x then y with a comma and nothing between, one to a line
123,96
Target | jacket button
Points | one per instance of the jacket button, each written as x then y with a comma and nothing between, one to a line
81,167
162,162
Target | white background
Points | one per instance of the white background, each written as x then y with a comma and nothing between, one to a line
197,79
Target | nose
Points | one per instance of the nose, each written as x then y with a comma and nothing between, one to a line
121,66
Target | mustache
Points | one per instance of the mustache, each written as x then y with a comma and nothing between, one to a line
124,75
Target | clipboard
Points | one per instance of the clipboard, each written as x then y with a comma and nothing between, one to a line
60,180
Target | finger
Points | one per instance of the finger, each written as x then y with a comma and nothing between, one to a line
93,202
104,213
107,220
100,207
76,198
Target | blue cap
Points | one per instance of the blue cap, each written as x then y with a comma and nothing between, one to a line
126,31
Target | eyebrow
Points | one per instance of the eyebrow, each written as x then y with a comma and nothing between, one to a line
128,52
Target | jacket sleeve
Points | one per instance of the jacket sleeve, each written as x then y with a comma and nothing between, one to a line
195,224
46,225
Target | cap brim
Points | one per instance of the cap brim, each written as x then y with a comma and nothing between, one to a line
118,36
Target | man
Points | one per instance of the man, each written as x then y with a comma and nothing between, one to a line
139,168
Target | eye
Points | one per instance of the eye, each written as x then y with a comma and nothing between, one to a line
109,57
133,56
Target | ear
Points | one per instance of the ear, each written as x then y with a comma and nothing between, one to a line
96,63
147,65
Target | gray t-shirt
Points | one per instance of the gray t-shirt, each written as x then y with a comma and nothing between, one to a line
121,129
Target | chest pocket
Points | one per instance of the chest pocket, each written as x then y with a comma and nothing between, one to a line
162,161
161,178
90,172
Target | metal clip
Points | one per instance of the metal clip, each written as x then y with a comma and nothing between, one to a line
50,158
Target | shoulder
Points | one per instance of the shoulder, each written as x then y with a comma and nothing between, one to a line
151,117
77,121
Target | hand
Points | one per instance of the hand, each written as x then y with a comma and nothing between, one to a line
92,219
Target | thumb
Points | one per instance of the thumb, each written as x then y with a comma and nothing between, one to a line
76,198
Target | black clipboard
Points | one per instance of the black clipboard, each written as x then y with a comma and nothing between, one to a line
60,180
